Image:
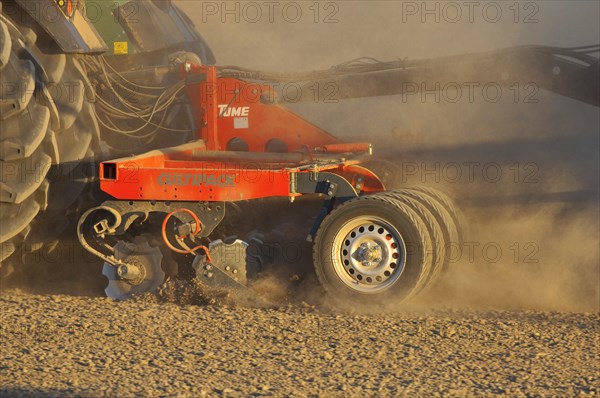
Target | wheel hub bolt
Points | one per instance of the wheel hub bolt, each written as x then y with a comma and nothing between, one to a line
369,253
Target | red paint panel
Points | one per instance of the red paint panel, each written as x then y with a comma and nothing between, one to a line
201,184
228,108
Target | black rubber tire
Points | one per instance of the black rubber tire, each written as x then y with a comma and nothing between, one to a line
434,228
407,222
453,211
26,147
70,131
49,253
443,219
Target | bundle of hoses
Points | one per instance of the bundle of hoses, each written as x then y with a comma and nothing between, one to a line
128,108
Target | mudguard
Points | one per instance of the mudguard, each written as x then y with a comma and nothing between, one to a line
73,34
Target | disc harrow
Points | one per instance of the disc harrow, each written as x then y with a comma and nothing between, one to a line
370,246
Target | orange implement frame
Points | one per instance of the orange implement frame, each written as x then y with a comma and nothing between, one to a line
233,111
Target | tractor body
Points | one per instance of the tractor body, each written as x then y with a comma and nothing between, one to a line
50,120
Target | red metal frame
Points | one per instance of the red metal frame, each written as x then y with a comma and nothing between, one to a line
247,114
204,170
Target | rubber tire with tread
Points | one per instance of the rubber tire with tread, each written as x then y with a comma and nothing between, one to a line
26,151
435,229
451,238
456,215
70,131
413,231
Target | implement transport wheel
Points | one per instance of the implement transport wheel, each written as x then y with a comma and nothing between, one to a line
455,215
448,223
372,250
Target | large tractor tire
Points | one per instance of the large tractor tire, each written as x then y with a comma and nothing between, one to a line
47,128
26,147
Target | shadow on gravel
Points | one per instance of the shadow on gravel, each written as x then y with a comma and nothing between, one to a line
26,392
72,281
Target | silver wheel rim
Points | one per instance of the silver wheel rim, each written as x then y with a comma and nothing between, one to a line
368,254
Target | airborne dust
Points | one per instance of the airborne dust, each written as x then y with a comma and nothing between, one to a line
525,174
522,163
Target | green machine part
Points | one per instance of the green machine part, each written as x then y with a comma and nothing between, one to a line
106,21
65,21
131,27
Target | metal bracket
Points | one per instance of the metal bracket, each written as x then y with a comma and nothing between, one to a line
211,214
328,205
328,184
334,187
120,215
228,266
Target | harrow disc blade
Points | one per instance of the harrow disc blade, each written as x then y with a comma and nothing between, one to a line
225,278
140,253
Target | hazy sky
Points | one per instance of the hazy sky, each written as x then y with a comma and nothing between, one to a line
389,30
284,34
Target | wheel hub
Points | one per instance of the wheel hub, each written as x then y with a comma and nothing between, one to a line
369,254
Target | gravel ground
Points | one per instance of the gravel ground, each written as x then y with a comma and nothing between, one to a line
61,346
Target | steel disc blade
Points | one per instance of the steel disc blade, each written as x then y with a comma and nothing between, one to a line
141,254
109,271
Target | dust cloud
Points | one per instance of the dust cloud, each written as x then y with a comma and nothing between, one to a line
524,168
